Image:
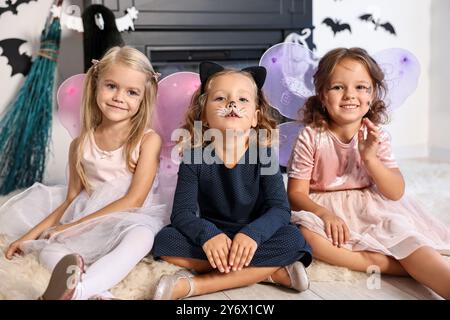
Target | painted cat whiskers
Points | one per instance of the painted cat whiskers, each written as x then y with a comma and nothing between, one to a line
231,110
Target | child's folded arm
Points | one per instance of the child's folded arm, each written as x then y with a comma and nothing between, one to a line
278,213
184,210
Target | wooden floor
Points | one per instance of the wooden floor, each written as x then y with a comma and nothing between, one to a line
389,288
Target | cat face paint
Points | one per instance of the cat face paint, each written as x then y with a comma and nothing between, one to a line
231,110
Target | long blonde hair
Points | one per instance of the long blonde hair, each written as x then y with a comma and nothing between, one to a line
197,107
91,115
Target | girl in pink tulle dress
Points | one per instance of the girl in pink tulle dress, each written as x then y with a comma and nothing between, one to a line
91,233
345,186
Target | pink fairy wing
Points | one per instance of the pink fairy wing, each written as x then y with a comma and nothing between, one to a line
288,135
290,69
402,71
69,97
174,96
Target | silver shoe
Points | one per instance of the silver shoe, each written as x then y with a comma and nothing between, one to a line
166,284
299,277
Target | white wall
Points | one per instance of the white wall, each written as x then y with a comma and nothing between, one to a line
409,124
27,25
440,71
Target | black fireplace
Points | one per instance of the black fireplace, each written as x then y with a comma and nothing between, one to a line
177,34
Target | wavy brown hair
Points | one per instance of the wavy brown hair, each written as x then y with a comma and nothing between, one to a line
313,113
91,115
197,106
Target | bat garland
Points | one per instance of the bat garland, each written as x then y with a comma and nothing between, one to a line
336,25
386,25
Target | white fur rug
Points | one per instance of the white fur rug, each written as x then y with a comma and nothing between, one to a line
24,278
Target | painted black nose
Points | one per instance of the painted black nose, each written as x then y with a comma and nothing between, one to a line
232,104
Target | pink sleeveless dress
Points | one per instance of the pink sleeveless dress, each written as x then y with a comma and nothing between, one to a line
110,179
340,182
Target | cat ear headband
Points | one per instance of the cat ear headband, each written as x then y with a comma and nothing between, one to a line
208,69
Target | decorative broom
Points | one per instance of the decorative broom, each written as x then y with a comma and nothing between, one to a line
26,126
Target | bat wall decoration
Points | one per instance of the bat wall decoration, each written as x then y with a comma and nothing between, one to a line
20,63
386,25
10,6
336,25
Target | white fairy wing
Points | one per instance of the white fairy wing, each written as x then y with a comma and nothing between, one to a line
402,71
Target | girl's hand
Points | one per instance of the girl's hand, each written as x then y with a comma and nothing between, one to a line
242,251
335,228
368,147
217,249
14,248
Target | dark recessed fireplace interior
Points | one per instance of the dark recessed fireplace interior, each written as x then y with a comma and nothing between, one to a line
177,34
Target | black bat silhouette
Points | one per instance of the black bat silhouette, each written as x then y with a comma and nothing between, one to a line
20,63
386,26
13,6
336,25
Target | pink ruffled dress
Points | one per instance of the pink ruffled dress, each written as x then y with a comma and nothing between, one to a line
340,183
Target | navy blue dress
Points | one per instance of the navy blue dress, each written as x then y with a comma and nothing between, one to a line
211,199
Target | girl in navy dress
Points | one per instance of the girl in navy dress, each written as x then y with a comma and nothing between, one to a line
230,218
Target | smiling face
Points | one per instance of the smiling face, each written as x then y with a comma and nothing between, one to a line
120,91
349,93
231,102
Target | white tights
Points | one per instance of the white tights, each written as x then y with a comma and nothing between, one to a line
109,270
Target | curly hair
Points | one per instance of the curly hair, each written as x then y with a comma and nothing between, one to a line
196,112
314,114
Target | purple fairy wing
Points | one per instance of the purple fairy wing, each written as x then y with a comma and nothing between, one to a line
290,70
174,95
288,135
402,71
69,98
